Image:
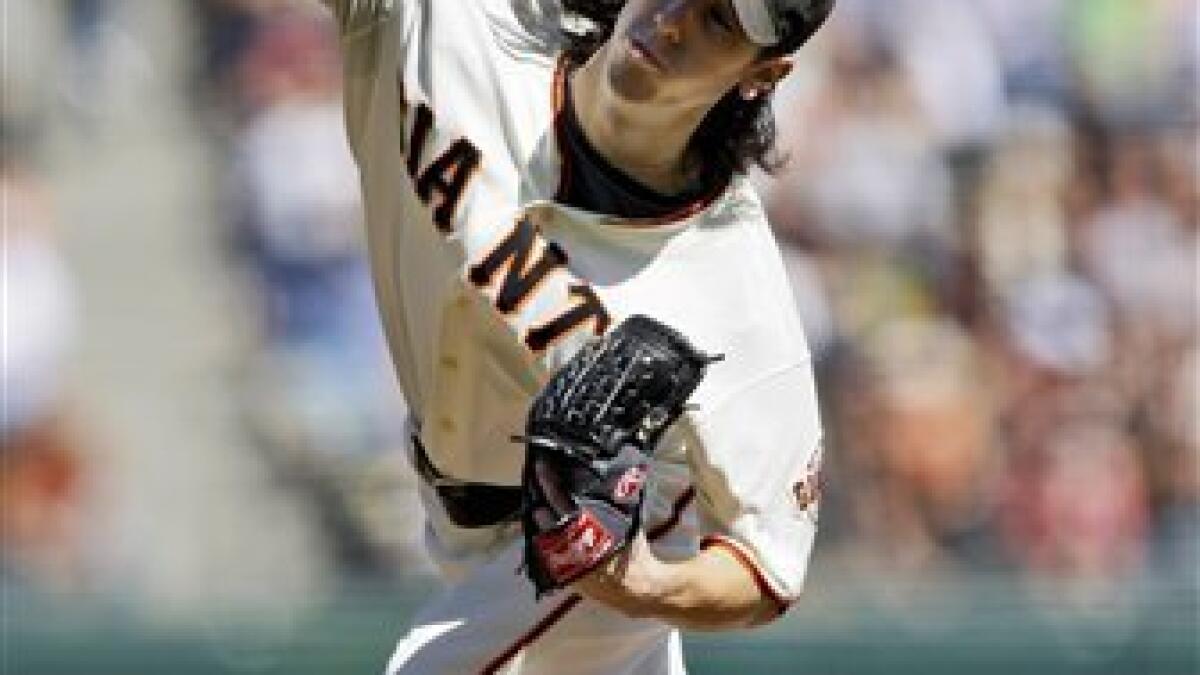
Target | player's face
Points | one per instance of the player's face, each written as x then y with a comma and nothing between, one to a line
687,52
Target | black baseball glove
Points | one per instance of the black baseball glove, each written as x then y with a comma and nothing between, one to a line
589,438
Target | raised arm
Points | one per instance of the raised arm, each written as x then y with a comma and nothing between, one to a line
355,16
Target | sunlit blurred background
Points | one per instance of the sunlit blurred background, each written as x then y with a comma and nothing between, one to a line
990,216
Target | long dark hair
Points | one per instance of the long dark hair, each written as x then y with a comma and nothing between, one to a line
736,133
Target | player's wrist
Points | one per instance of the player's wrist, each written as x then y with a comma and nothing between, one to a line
634,582
647,578
706,592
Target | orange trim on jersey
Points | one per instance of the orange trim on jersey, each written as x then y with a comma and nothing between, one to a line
747,560
559,99
572,600
566,171
534,633
689,210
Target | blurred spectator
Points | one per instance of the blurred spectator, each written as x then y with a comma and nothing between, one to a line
226,31
1028,36
1058,324
871,175
1136,61
87,23
322,390
31,58
104,69
994,213
41,483
917,438
950,58
1076,512
1138,248
1021,229
1175,421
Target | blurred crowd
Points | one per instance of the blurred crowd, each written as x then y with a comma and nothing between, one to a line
991,220
991,215
318,392
42,466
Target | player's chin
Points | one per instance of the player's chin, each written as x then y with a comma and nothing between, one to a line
632,81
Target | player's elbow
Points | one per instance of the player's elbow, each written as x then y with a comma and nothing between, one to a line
639,610
763,610
744,585
724,618
769,609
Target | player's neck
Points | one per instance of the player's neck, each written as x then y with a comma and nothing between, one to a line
645,141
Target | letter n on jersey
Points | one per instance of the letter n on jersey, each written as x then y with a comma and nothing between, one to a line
524,272
525,256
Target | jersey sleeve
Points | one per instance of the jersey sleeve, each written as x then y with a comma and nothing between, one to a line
758,473
354,17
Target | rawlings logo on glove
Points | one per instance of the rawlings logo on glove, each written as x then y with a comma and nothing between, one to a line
580,546
589,437
630,484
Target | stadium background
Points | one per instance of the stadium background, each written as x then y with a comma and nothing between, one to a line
990,215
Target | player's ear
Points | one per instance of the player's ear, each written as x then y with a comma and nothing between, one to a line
762,76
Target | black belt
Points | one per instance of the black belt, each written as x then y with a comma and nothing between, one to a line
469,505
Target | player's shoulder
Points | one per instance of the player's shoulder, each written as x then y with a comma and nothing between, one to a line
766,302
524,28
739,216
737,209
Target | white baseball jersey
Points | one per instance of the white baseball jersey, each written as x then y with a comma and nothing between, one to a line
485,284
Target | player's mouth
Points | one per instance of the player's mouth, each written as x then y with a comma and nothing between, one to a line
642,52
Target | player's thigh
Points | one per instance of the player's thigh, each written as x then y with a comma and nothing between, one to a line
476,625
594,640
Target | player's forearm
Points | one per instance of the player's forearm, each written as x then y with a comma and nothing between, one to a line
711,591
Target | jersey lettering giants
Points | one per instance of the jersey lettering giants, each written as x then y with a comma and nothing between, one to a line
447,177
526,258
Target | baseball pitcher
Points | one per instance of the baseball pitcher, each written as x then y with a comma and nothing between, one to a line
613,410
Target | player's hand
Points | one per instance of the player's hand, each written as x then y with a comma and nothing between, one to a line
632,582
589,438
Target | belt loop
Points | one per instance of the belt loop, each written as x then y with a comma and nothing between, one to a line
467,504
412,425
423,465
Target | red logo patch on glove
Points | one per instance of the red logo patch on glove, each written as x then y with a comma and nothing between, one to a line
630,483
582,544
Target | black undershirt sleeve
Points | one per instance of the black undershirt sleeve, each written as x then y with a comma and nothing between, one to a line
600,187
